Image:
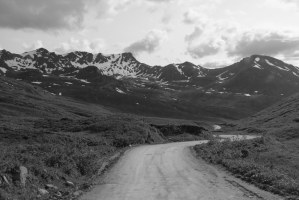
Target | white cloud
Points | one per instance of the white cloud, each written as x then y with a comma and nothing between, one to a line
198,31
210,38
193,16
268,43
149,43
116,6
238,43
166,18
208,48
35,45
42,14
94,46
111,8
160,1
290,2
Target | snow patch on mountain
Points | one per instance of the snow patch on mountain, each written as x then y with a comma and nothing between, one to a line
281,68
216,127
222,78
119,91
269,63
29,53
178,69
3,70
84,81
18,63
201,74
36,82
295,74
257,66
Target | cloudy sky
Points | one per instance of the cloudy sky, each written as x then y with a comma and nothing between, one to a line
211,33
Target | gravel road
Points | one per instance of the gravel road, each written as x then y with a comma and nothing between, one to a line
170,172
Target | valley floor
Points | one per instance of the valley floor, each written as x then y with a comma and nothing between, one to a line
170,171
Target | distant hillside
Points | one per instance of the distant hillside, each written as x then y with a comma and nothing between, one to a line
20,99
280,120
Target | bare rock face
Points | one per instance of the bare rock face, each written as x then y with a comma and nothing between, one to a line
43,191
69,183
51,186
23,175
5,180
20,175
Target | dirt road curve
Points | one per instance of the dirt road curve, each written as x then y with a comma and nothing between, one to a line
170,172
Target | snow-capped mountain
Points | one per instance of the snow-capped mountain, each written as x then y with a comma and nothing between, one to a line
116,65
256,75
251,76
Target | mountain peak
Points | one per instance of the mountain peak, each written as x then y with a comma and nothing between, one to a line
187,63
128,54
4,54
42,50
3,51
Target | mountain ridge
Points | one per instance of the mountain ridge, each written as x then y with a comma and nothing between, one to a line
123,64
131,66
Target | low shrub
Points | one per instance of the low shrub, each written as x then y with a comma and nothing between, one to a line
247,159
56,150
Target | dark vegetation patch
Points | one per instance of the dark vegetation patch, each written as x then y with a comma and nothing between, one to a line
183,132
114,128
296,120
265,162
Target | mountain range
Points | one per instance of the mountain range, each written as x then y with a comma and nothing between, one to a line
185,90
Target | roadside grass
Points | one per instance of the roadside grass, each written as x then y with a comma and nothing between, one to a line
50,159
59,150
264,162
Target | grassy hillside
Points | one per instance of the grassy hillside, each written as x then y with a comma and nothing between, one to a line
271,162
